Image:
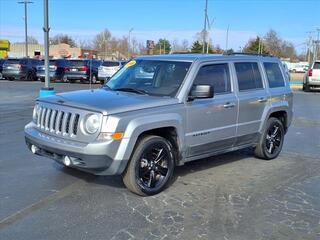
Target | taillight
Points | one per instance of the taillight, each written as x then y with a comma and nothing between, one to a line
53,67
66,68
310,72
83,68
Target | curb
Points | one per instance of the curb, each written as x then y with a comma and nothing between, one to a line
296,86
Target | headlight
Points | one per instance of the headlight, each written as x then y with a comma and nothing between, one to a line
35,113
92,124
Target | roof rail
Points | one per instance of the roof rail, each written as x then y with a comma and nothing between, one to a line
248,53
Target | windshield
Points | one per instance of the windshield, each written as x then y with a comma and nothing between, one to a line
159,78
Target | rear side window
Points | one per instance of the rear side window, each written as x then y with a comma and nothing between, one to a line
316,65
274,74
110,64
248,75
13,61
216,75
78,63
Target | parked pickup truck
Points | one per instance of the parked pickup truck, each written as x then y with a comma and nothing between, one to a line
182,108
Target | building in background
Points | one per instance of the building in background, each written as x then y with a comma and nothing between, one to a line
17,50
64,50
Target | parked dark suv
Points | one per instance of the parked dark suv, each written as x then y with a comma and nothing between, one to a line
57,69
82,70
20,69
2,61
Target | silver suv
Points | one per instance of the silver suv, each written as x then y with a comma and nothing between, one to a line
158,112
312,77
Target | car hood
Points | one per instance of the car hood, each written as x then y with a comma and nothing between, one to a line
107,101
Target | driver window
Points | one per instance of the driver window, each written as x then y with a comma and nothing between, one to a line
216,75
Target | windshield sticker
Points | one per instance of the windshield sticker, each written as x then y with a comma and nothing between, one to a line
130,64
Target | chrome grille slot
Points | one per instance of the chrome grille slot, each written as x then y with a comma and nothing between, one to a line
68,123
64,123
52,120
75,124
60,120
43,115
47,119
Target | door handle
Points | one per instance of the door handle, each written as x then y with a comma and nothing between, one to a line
262,100
229,105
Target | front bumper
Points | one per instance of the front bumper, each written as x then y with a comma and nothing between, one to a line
96,158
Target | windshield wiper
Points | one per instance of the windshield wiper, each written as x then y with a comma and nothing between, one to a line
134,90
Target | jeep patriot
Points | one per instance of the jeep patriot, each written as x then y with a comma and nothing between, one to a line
158,112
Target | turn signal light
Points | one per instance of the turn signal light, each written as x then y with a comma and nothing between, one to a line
110,136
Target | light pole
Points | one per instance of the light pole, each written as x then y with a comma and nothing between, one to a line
25,2
317,45
227,39
205,26
131,29
47,90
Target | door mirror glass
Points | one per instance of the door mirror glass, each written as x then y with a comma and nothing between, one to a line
201,91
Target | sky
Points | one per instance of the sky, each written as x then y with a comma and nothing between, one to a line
170,19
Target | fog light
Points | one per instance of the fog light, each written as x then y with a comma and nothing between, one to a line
66,161
34,149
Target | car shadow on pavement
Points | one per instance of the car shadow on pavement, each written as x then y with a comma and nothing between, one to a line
211,162
112,181
180,171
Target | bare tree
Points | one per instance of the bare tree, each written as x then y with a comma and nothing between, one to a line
63,38
101,43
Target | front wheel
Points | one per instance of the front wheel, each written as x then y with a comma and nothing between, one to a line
271,141
151,166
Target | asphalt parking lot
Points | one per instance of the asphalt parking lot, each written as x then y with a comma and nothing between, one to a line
232,196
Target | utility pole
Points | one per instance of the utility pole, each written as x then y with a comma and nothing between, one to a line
47,90
227,38
317,45
131,29
164,46
205,26
309,44
25,2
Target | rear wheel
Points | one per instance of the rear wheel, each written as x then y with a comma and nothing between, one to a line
306,87
29,76
271,141
72,81
94,79
64,78
151,166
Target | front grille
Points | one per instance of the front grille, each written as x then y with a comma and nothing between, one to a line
58,122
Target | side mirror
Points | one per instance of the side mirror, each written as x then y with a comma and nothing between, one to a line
201,91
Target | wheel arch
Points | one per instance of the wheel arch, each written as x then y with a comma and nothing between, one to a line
168,126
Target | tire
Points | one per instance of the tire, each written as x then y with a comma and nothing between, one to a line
29,77
151,166
306,87
63,78
271,141
42,79
94,79
72,81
